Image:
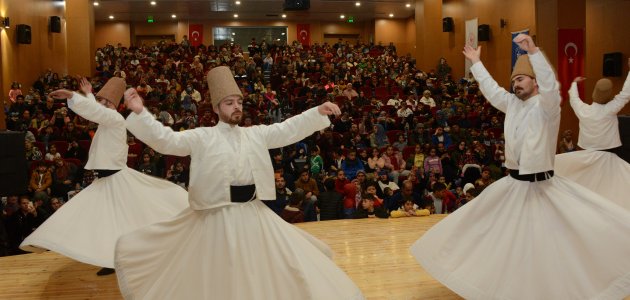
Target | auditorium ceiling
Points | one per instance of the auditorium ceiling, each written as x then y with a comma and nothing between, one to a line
323,10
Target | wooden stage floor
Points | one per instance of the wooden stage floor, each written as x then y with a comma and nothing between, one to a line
373,252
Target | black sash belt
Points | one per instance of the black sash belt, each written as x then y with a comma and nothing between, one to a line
104,173
615,150
532,177
242,193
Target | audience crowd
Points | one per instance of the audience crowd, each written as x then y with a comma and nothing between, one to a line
409,142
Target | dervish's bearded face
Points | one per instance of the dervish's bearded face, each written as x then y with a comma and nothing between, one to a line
230,110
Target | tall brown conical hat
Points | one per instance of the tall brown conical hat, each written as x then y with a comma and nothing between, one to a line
602,93
523,67
221,84
113,90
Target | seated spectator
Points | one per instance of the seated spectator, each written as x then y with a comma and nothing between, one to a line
351,165
485,180
64,175
330,202
371,189
41,179
178,174
22,223
368,210
52,153
146,166
351,194
378,138
55,204
427,100
293,213
32,152
443,200
340,181
433,163
409,209
75,151
401,143
311,192
384,182
282,196
316,162
405,193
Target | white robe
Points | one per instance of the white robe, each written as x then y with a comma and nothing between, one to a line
552,239
225,250
87,227
603,172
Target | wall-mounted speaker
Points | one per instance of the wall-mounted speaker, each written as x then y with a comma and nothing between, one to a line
447,24
55,24
297,4
483,33
23,34
613,65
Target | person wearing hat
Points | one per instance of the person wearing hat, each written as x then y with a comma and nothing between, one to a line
529,235
598,167
120,201
247,250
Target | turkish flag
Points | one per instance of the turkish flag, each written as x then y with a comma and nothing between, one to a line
304,34
570,59
195,34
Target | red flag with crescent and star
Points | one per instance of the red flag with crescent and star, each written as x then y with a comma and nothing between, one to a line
304,34
195,34
570,59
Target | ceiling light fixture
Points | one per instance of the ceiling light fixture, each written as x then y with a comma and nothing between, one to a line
284,16
95,3
235,15
111,17
357,4
174,16
407,5
342,17
391,15
153,3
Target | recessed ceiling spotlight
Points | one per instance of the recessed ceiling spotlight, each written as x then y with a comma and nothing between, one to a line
391,15
283,33
174,16
95,3
236,15
153,3
284,16
233,33
237,2
342,17
111,17
357,4
407,5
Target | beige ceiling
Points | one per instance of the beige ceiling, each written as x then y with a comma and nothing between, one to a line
323,10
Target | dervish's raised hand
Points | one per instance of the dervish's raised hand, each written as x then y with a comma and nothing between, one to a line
526,43
329,108
61,94
474,55
85,86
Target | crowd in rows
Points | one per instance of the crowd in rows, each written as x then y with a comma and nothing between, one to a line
409,142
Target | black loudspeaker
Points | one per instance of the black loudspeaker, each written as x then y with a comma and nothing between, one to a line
447,24
297,4
612,64
624,133
55,24
13,177
483,33
23,34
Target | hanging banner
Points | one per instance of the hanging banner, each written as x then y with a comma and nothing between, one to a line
570,59
516,50
304,34
195,34
471,40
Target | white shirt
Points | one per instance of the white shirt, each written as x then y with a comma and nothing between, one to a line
109,148
531,126
215,166
599,126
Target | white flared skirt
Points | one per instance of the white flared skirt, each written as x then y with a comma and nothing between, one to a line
602,172
87,227
238,251
519,240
